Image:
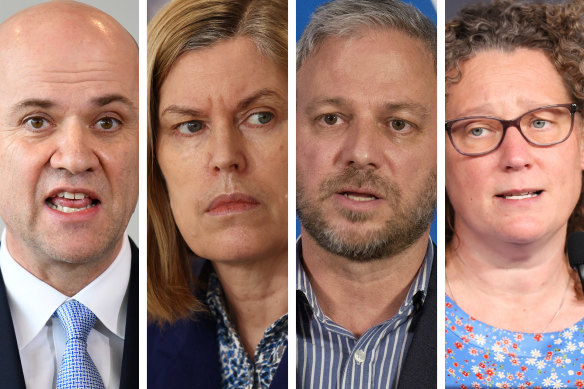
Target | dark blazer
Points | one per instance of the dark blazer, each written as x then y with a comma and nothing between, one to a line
186,355
10,368
419,370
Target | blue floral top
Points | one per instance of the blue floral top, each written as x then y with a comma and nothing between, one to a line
481,356
237,369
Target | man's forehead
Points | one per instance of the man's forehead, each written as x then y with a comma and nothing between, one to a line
56,28
352,39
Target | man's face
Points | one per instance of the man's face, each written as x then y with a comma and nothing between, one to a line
68,141
366,144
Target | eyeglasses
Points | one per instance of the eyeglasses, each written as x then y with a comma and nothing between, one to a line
480,135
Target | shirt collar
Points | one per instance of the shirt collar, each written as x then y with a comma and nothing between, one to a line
416,294
105,295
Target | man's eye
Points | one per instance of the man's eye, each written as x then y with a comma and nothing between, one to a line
108,124
330,119
399,125
190,127
260,118
36,123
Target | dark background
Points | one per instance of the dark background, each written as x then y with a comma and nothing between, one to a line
453,6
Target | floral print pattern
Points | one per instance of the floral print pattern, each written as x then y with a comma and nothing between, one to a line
481,356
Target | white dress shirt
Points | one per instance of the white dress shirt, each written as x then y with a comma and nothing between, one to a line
41,337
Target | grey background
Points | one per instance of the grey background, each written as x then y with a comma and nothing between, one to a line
154,6
125,12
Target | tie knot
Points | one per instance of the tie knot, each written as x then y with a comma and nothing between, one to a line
77,319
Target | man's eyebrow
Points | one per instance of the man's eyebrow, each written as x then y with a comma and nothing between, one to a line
314,104
36,103
102,101
415,108
265,92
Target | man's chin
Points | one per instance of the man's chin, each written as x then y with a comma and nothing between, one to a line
78,249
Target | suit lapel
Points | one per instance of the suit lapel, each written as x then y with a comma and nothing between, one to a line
419,370
280,380
129,374
11,375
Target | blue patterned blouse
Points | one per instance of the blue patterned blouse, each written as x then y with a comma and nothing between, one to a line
481,356
237,369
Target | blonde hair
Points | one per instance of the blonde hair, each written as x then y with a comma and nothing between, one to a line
181,26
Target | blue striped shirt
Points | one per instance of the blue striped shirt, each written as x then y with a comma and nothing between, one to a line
329,356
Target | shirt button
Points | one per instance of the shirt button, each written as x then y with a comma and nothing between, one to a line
359,356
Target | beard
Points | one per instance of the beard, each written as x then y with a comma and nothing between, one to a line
409,221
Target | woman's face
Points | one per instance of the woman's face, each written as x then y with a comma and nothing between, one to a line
222,148
519,193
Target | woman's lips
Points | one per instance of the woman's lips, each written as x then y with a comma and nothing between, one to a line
520,194
231,203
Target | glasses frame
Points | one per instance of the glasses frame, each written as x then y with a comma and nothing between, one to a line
573,107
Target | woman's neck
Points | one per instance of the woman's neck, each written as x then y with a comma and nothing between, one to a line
256,293
526,287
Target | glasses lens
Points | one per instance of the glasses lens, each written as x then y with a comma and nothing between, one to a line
547,126
476,136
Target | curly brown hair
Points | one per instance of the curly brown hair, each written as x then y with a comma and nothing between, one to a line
506,25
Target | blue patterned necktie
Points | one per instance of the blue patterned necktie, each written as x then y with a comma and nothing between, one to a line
77,369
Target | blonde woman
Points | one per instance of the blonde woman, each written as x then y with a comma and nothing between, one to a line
217,195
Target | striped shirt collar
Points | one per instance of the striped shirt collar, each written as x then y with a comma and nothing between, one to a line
414,299
330,356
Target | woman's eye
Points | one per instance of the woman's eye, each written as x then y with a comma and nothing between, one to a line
539,124
108,124
36,123
260,118
478,131
190,127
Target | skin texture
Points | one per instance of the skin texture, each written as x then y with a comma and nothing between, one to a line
223,92
354,96
59,60
509,254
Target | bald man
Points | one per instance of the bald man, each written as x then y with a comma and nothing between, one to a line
68,186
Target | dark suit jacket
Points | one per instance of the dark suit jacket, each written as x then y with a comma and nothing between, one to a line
10,368
186,355
419,370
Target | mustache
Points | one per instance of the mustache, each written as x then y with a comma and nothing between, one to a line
362,178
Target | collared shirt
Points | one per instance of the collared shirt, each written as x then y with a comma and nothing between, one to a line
330,356
41,337
237,370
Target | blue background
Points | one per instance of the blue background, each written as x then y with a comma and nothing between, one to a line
304,9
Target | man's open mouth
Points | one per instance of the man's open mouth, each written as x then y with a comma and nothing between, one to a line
68,202
520,196
359,196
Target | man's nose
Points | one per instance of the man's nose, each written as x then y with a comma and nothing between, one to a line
74,150
362,144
